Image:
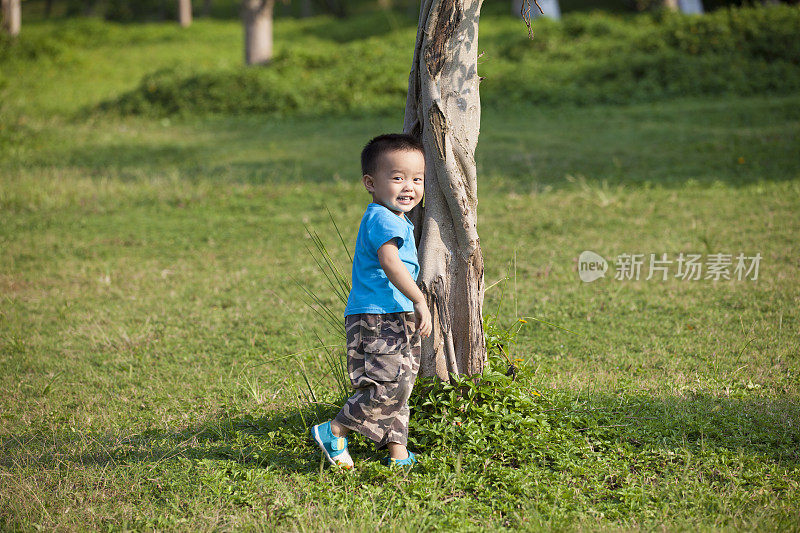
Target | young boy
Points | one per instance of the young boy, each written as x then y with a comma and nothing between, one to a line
386,314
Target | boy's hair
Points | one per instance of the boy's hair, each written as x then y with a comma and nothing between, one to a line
381,144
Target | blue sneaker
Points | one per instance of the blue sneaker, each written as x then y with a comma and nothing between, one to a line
409,461
334,448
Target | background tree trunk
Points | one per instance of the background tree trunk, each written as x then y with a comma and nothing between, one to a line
206,8
12,16
443,110
257,18
671,4
185,12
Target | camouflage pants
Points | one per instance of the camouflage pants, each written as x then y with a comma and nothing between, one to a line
383,353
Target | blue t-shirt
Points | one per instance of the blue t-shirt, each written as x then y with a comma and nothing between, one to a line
372,292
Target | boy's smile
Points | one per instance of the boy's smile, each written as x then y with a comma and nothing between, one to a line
399,180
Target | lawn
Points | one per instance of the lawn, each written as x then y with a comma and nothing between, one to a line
154,346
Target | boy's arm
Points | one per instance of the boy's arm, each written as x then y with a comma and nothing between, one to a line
396,271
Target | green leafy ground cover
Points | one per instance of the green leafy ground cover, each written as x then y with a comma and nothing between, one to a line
147,308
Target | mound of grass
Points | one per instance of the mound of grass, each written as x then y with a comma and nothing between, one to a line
304,82
587,58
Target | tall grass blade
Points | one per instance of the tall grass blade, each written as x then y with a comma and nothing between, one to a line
339,233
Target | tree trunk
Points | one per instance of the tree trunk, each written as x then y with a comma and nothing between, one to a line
48,9
12,17
257,18
307,8
206,8
443,110
671,5
185,12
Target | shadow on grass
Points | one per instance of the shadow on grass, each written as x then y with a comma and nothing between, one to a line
698,140
753,426
763,429
221,437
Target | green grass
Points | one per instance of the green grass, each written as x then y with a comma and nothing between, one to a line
147,309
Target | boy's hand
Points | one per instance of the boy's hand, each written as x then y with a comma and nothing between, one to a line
422,316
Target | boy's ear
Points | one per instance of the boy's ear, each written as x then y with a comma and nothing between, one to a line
369,182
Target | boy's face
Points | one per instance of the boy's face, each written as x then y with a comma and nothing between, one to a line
399,180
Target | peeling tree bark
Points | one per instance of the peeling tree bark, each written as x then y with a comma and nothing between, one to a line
443,110
257,19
